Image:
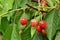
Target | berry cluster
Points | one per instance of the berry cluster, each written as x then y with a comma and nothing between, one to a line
39,25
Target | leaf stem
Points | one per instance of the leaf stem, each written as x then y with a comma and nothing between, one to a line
38,5
41,16
39,2
47,7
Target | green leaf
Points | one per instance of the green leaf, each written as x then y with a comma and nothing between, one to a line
21,3
18,15
7,4
11,33
37,36
4,23
58,20
57,36
20,26
9,15
51,2
26,35
28,14
33,30
0,20
52,20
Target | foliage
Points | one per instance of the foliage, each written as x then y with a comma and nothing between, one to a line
12,10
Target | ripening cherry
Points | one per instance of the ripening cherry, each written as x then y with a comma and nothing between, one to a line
42,24
44,2
43,32
33,22
38,28
23,21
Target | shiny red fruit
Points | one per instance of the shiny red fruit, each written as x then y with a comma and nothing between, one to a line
38,28
44,2
43,32
33,22
42,24
23,21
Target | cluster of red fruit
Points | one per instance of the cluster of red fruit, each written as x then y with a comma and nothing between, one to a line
40,25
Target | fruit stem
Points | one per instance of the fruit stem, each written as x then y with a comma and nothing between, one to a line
39,2
38,5
47,7
24,11
41,16
24,15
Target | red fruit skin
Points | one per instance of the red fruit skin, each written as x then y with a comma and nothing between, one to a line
44,2
42,24
33,22
43,32
23,21
38,28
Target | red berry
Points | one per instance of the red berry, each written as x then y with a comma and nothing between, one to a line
38,28
42,24
43,32
33,22
23,21
44,2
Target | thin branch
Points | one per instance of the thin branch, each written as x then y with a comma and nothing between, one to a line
35,8
35,1
39,5
10,11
